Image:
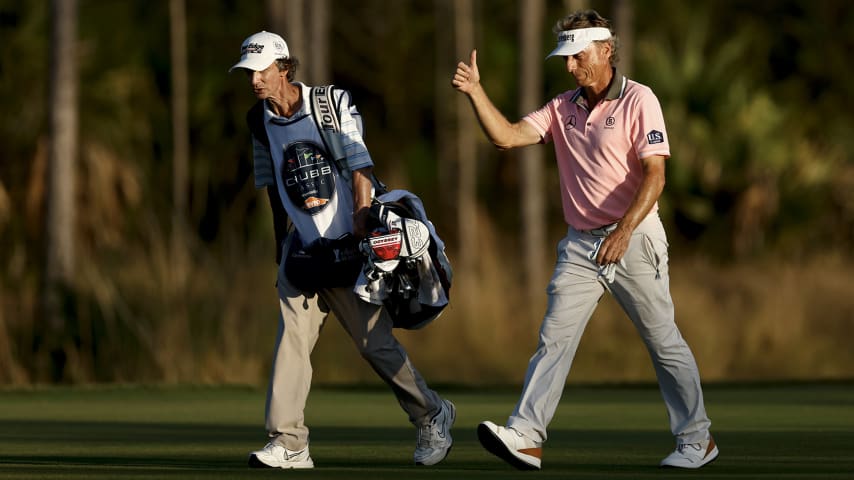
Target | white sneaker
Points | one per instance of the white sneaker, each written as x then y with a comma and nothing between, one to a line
276,456
434,437
692,455
510,446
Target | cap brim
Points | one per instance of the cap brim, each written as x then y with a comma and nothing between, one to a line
255,64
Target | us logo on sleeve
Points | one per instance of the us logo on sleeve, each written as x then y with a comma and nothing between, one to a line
654,136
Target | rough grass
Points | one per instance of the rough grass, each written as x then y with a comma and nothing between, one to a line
763,319
798,431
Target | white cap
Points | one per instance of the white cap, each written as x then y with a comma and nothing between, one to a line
260,50
570,42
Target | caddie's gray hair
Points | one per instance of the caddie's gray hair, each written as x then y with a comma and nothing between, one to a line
290,64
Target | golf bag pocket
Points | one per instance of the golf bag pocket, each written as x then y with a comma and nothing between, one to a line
324,263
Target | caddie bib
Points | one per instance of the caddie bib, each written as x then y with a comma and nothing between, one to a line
308,176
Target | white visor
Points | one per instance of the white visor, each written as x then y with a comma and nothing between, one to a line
570,42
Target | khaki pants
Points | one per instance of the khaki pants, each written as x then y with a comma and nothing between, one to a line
642,289
370,327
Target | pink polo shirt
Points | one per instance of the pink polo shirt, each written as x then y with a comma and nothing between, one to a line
598,153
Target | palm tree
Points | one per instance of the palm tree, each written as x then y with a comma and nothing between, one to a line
180,138
61,192
318,18
444,111
531,159
466,146
624,18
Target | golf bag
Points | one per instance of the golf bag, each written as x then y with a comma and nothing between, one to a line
406,268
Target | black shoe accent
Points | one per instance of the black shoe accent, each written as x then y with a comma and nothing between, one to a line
255,463
495,446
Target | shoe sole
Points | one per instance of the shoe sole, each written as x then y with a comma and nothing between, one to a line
422,464
495,446
715,457
255,462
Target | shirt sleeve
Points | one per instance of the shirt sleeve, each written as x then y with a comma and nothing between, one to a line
351,136
542,120
263,164
650,135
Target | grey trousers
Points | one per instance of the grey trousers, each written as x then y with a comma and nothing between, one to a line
300,321
642,289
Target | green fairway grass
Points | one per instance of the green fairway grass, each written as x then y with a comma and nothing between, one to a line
798,431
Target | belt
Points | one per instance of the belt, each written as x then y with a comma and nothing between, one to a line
602,231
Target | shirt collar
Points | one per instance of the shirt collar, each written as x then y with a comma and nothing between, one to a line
304,109
615,90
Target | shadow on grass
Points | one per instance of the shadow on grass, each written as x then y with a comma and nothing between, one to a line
72,449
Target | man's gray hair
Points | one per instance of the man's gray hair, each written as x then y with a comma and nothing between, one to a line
587,19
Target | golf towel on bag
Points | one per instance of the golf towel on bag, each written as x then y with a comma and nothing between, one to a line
412,282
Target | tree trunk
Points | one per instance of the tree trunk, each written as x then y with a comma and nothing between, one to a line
531,159
287,18
466,191
61,182
180,141
575,5
321,67
624,18
444,111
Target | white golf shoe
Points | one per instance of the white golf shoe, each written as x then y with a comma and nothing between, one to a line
510,446
276,456
434,436
692,455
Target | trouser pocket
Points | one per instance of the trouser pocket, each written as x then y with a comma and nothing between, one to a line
655,253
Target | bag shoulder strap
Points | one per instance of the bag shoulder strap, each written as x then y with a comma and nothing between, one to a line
325,113
325,109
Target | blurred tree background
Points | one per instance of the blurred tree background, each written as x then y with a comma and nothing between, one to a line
134,247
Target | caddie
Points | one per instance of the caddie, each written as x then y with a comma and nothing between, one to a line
326,203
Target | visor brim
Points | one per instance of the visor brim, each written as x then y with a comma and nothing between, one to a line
567,49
